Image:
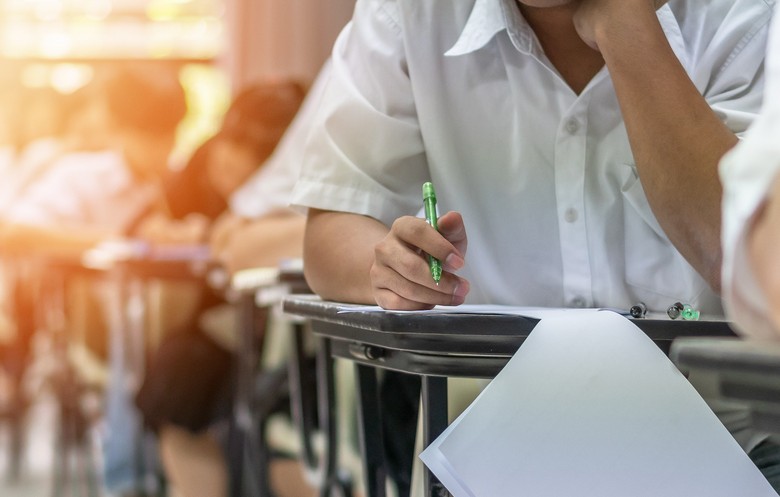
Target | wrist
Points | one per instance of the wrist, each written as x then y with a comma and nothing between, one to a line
636,28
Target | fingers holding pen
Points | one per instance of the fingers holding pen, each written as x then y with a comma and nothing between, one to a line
452,228
394,291
400,267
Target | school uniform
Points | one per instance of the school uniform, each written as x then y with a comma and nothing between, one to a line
462,94
747,173
92,189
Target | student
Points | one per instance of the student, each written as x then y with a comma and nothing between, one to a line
535,120
186,396
83,128
199,194
751,215
86,198
259,228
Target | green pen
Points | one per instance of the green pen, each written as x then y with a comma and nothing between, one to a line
429,202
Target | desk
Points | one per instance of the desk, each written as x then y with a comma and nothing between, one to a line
131,266
745,371
44,284
260,290
434,346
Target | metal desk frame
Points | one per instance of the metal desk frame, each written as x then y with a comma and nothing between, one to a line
745,371
434,346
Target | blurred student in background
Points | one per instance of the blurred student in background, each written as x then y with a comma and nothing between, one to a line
87,197
46,126
84,198
187,392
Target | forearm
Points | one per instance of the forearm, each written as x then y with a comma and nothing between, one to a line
676,138
265,242
339,253
50,240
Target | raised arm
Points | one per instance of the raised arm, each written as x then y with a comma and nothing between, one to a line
676,138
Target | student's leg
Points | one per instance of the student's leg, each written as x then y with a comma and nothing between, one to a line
400,398
194,463
766,457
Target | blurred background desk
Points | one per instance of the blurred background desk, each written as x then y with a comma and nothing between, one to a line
137,320
745,371
435,346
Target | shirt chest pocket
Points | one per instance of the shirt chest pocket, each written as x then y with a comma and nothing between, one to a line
654,269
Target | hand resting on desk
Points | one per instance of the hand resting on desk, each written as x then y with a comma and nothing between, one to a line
386,266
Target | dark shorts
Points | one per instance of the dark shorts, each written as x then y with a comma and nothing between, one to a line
188,383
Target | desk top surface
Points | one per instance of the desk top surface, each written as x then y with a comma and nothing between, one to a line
457,332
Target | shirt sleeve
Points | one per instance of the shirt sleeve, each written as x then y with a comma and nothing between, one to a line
271,187
365,153
51,200
727,58
747,173
84,190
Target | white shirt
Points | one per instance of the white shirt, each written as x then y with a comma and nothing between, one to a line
461,93
747,173
85,189
22,170
271,186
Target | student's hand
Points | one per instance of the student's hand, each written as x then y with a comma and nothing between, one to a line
160,229
763,241
223,230
594,19
400,276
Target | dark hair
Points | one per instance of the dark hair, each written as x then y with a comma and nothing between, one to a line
260,114
146,98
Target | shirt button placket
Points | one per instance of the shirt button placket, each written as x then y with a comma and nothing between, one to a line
570,168
572,126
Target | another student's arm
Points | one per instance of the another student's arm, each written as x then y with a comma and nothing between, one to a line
27,238
260,242
763,242
354,258
676,138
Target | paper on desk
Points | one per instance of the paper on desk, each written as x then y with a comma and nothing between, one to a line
589,406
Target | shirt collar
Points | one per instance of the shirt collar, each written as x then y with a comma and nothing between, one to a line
490,17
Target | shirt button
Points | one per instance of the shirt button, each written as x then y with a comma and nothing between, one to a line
571,215
572,126
578,302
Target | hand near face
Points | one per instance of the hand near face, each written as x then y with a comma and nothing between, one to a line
400,276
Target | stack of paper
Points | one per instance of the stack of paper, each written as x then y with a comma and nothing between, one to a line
589,406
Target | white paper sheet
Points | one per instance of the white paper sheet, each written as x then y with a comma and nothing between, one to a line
589,406
532,312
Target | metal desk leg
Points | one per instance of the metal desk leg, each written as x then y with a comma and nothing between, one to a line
248,449
299,392
370,424
332,482
323,470
434,412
